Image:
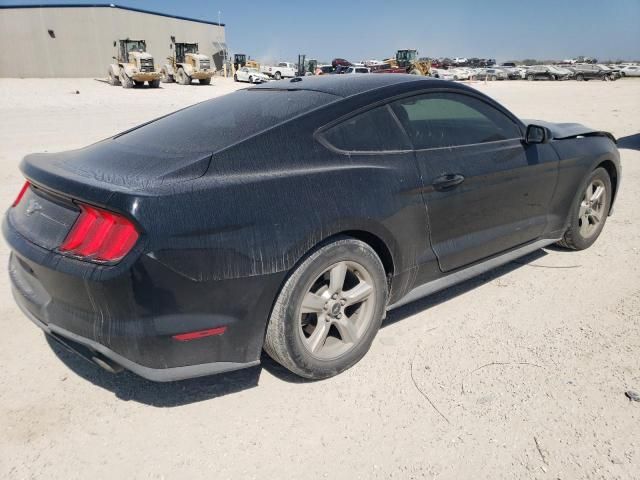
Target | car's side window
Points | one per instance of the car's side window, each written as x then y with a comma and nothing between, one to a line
375,130
438,120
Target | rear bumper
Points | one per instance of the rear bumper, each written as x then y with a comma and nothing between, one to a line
132,319
154,374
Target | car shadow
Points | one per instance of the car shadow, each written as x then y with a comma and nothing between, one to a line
130,387
632,142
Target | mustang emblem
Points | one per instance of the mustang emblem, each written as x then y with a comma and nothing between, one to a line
33,207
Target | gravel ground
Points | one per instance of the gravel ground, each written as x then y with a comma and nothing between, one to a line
520,373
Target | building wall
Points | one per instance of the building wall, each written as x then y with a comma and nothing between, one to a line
84,36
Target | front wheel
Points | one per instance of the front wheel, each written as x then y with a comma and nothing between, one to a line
530,78
183,78
277,75
580,78
154,83
589,212
329,310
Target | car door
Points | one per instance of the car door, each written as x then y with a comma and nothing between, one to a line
485,190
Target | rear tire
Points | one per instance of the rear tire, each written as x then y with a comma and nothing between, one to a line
126,81
165,77
113,80
204,81
277,75
182,77
580,77
589,211
342,286
154,83
531,78
493,78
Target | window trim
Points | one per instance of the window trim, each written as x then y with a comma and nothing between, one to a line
518,124
319,137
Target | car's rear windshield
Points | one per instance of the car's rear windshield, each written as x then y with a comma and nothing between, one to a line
220,122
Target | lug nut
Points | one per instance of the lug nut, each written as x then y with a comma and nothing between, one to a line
334,296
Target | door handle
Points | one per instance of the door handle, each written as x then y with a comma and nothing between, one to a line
447,182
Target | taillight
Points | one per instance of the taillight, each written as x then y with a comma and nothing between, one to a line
23,190
99,235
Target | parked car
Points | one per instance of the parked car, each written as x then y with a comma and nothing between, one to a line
291,219
630,71
583,72
355,69
508,65
460,73
491,74
613,71
281,70
547,72
512,73
325,69
251,75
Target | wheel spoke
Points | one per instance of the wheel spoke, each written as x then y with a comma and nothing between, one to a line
588,192
583,209
336,277
319,336
595,217
312,303
358,293
347,329
597,194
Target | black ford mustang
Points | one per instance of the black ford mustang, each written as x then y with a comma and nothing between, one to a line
290,217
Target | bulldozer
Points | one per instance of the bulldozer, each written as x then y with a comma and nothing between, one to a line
186,64
406,61
133,66
240,60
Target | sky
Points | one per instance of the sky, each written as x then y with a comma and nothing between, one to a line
365,29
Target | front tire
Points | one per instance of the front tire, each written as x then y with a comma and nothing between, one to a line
205,81
589,212
277,75
329,310
154,83
183,78
530,78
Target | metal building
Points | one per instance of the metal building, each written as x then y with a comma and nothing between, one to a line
77,40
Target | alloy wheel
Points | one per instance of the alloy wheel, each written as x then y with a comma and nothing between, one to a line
591,211
336,310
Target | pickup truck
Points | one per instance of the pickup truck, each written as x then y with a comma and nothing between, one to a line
281,70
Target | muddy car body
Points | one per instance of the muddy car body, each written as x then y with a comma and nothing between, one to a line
273,217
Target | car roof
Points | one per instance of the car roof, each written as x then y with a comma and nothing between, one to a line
348,85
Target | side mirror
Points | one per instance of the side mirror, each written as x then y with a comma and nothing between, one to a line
114,58
537,134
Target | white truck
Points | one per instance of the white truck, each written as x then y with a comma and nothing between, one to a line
281,70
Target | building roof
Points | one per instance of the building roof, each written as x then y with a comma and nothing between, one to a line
110,5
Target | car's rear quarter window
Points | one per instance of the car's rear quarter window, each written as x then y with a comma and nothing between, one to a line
218,123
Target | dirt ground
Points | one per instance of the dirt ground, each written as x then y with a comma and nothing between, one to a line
520,373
